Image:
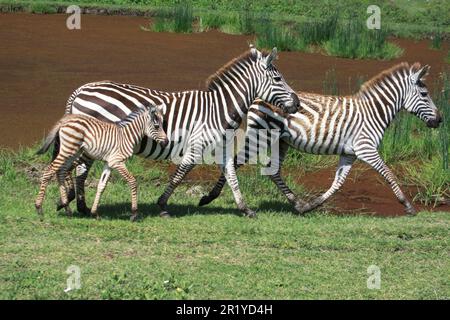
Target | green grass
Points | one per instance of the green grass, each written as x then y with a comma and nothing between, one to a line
41,8
353,40
270,35
336,28
209,252
403,18
436,41
177,19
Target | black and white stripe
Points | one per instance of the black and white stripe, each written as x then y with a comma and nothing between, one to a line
92,139
350,126
193,120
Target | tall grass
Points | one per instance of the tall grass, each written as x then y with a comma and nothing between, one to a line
271,35
317,31
183,17
353,40
443,103
212,21
436,41
330,86
177,19
240,22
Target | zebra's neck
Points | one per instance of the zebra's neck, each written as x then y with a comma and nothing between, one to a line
232,93
384,99
133,130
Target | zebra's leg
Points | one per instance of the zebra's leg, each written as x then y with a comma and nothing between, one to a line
278,180
372,158
131,180
100,188
215,191
183,168
45,179
47,175
250,148
61,175
230,174
344,166
70,187
82,173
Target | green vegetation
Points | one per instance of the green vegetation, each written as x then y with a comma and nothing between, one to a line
284,38
177,19
278,255
41,8
353,40
405,18
336,28
436,41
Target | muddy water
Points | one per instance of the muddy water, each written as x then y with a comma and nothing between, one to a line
42,62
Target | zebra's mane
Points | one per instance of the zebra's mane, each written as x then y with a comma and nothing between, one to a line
402,68
229,65
131,117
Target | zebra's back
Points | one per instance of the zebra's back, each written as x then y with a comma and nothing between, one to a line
94,138
325,124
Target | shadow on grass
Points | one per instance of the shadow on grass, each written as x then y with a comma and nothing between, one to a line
122,211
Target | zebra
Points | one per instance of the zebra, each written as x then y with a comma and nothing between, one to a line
349,126
84,136
195,121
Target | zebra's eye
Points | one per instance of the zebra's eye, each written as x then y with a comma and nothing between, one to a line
277,78
424,94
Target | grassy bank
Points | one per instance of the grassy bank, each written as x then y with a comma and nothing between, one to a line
208,252
289,25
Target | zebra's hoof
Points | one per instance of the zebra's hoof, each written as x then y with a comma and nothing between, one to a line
410,210
59,205
68,211
250,213
39,210
134,217
302,208
84,210
165,214
205,200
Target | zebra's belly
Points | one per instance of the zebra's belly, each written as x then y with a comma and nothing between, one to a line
306,145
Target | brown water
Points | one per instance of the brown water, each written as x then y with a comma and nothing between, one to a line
42,62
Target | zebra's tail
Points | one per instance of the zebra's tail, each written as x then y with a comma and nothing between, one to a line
52,136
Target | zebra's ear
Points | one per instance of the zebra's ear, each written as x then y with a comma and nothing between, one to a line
152,109
419,75
271,57
253,51
160,108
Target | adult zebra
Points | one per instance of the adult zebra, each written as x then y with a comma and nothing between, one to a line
197,120
351,127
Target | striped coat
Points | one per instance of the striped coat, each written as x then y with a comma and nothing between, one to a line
196,121
350,126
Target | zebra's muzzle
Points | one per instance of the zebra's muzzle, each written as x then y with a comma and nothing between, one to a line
294,105
434,123
164,143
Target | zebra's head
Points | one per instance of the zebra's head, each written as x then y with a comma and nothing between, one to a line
417,100
271,86
154,126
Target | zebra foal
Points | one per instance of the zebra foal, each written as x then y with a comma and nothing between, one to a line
84,136
349,126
